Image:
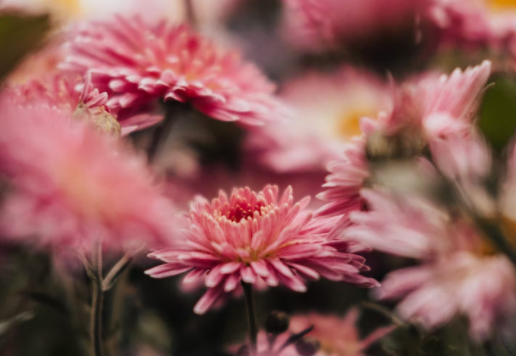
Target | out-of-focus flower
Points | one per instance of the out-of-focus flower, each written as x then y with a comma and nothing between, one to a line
475,24
479,287
73,187
458,274
428,108
338,336
73,10
439,104
414,233
329,110
137,63
254,236
320,24
345,181
80,99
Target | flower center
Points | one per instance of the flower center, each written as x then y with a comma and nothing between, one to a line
348,124
500,5
243,210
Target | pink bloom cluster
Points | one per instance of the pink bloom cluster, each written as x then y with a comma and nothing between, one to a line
73,186
256,236
137,63
456,265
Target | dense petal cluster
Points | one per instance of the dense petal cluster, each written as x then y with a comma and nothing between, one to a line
137,63
329,109
256,236
73,186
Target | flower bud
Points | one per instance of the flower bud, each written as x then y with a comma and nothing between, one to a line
307,346
277,322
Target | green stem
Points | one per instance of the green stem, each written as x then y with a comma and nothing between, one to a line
251,316
115,273
96,300
162,130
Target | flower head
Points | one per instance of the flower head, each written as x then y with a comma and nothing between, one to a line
458,274
329,109
251,236
72,186
76,96
346,179
319,24
479,287
439,104
137,63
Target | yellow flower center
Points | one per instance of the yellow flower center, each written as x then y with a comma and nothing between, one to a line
64,8
501,5
348,124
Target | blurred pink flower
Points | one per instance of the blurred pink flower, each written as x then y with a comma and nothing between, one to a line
66,92
439,104
329,108
405,227
137,63
72,186
482,288
475,24
254,236
320,24
338,335
345,181
457,276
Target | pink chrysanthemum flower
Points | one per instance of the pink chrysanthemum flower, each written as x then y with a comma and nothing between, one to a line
338,335
475,24
346,179
79,98
329,108
319,24
137,63
252,236
434,106
457,264
439,104
73,186
479,287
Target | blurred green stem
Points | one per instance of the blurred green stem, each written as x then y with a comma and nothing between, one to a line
115,273
96,300
251,316
162,130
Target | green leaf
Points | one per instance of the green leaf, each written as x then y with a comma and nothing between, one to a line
19,35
